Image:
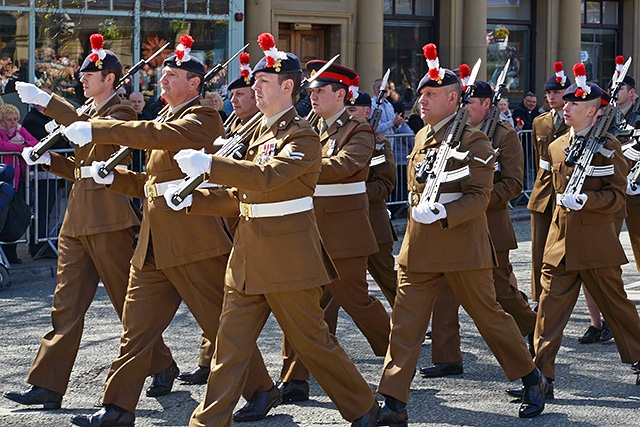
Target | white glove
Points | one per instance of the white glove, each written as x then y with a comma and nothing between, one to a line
220,141
425,214
95,168
193,162
631,191
171,190
30,94
45,159
79,133
573,202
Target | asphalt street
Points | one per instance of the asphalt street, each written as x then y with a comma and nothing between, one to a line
593,388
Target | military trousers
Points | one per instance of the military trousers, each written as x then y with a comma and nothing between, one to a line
560,290
381,266
417,293
351,292
445,330
301,318
152,300
82,262
540,224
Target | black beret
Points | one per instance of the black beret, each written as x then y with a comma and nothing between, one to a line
482,90
289,65
552,84
110,60
240,82
449,78
576,93
193,64
363,100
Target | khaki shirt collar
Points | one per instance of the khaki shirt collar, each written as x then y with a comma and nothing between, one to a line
99,106
331,120
583,132
442,123
179,107
271,120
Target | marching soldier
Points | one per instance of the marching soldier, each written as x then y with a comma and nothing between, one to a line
507,184
341,206
546,128
177,258
278,263
583,246
243,100
380,184
449,239
96,239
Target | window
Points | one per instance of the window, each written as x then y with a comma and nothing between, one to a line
409,7
600,39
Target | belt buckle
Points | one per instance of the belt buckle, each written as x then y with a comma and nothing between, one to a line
246,211
77,173
415,198
150,191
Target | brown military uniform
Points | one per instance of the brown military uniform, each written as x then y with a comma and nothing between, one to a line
347,147
95,243
278,264
380,184
542,199
457,248
177,258
583,247
507,184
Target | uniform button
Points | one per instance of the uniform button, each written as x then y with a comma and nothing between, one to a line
251,152
414,188
568,177
244,196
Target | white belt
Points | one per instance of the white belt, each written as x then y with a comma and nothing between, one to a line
82,172
264,210
444,198
329,190
543,164
158,189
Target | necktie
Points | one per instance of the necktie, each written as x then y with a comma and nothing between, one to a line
430,131
323,127
557,120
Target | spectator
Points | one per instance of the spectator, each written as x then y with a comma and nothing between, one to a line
216,102
505,113
390,121
525,112
415,121
122,92
46,190
13,137
138,103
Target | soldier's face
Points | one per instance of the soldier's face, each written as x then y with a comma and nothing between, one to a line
437,103
554,98
94,83
359,111
174,85
270,95
325,102
243,101
478,109
579,114
624,95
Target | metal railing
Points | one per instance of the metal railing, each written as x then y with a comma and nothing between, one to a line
401,145
529,162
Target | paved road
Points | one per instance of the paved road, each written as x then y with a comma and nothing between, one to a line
592,389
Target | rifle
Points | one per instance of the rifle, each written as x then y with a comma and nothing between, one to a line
116,158
581,153
227,123
628,128
432,169
489,125
235,147
377,112
56,132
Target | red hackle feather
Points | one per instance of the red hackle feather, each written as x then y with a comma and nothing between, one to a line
180,54
579,93
244,58
97,41
244,74
93,57
266,41
270,62
186,41
355,81
619,60
579,69
465,71
557,66
434,74
430,51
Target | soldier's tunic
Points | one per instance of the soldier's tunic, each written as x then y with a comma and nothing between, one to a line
507,184
343,220
177,257
583,247
380,184
278,264
542,198
95,243
457,248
